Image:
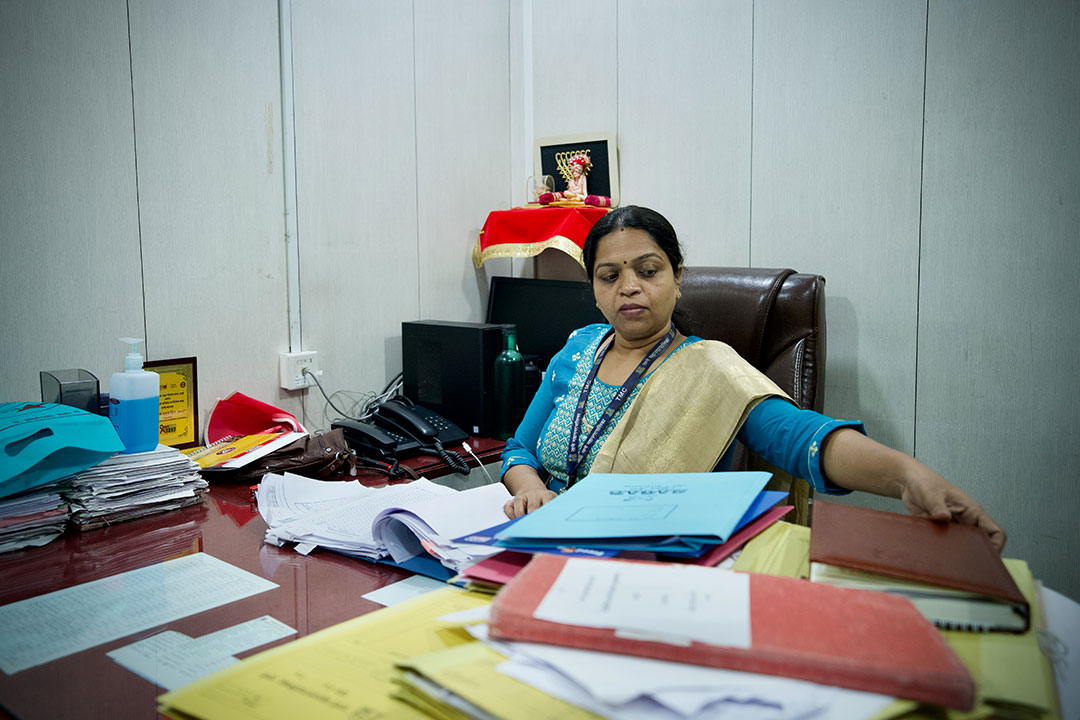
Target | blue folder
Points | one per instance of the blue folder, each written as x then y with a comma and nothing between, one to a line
680,512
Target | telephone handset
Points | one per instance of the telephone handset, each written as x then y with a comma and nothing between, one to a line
400,428
365,436
428,428
429,432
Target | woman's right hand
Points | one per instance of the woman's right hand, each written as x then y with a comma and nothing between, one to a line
526,501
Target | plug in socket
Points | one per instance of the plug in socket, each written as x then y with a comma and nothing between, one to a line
291,369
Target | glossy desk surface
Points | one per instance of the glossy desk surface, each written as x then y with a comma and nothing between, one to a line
313,593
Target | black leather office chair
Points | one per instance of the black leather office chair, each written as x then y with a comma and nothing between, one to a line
774,319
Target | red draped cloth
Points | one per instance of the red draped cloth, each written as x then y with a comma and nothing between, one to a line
526,232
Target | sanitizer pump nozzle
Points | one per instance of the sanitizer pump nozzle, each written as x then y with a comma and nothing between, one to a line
133,360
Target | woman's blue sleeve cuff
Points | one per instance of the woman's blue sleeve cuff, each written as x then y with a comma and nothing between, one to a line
792,439
514,454
816,475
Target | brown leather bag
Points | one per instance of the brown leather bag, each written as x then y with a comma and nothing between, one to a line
320,456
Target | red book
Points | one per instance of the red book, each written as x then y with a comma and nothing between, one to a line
857,639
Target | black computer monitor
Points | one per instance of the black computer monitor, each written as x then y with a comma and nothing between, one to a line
545,312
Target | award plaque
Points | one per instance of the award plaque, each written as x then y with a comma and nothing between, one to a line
179,410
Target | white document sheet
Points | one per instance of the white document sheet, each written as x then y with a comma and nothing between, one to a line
628,688
1062,646
287,497
783,702
431,525
478,508
348,527
402,590
44,628
669,603
172,660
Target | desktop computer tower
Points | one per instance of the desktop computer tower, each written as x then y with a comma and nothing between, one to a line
448,367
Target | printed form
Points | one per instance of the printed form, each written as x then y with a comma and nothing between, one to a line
669,603
172,660
44,628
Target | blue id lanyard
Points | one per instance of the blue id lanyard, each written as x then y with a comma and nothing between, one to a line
574,455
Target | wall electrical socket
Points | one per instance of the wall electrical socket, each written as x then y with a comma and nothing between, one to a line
291,368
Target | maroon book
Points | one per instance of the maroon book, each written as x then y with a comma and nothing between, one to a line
946,555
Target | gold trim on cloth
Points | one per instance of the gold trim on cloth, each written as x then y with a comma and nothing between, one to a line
523,250
687,413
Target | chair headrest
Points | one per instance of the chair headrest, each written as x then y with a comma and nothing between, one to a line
774,318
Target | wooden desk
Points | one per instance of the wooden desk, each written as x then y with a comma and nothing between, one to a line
313,593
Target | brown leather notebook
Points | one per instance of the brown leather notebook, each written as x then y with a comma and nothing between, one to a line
951,572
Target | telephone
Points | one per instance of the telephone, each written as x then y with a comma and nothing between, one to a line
401,427
430,429
365,436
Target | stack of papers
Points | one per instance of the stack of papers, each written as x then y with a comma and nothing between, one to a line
621,686
32,519
129,486
399,521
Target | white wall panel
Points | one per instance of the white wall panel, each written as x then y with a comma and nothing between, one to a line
69,239
356,183
462,148
207,122
521,141
998,329
837,140
684,120
575,68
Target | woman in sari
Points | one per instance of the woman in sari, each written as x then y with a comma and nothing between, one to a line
636,395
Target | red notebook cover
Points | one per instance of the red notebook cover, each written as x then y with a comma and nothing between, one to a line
856,639
951,555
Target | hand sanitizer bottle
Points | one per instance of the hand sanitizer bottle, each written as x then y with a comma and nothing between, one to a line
133,402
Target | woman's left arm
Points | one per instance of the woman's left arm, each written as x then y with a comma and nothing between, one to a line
854,461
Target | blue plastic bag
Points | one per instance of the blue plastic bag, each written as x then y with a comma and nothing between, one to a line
43,442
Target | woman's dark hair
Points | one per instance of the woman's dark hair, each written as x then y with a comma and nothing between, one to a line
658,228
638,218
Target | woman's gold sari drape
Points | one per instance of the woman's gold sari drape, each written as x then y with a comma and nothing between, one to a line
687,415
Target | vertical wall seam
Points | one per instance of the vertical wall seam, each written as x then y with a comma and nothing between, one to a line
288,177
509,112
617,30
750,203
416,164
918,244
528,120
138,203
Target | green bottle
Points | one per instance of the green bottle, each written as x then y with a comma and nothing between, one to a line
509,387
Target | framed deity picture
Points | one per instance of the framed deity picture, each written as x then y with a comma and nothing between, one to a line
588,161
178,424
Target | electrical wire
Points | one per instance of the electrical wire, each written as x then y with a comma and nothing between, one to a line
391,467
363,404
330,402
370,402
451,458
479,464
